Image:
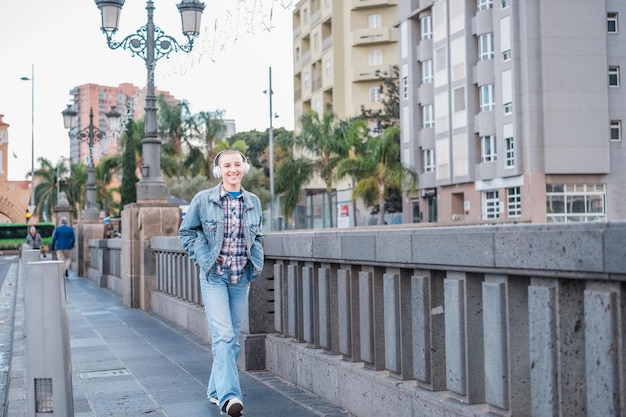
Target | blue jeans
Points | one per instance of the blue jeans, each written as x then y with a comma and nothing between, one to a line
225,305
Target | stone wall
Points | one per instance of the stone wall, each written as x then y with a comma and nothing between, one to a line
519,320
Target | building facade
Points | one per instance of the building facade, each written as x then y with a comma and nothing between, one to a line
338,48
14,195
512,111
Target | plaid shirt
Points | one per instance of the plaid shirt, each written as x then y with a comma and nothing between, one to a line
233,253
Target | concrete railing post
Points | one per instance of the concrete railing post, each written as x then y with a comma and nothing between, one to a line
47,361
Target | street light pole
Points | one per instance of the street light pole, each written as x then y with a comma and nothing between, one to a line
90,135
151,43
271,134
31,208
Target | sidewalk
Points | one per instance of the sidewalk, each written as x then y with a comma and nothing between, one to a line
131,363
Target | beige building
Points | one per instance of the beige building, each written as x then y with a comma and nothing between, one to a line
513,111
338,47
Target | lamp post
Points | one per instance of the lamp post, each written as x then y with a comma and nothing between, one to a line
270,93
90,135
32,206
151,43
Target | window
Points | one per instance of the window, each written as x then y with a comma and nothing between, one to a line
427,71
428,118
488,148
405,87
505,38
298,53
485,4
318,106
429,160
566,203
614,76
459,99
440,59
616,130
506,4
316,41
509,145
426,27
491,205
486,97
507,91
306,80
611,22
374,21
328,69
375,95
485,47
375,57
514,202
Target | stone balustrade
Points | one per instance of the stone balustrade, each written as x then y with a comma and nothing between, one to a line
515,320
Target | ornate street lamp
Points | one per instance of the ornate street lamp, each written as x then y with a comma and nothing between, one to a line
90,135
151,43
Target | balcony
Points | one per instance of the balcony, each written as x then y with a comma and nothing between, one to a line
425,94
483,22
484,72
373,36
364,4
485,123
368,72
424,50
486,170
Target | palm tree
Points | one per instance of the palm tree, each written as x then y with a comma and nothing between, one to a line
175,124
377,170
45,190
211,128
291,175
106,170
77,187
325,139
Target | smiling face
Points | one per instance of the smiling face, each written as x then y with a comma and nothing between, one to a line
231,167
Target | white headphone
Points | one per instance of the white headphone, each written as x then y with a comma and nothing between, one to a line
217,172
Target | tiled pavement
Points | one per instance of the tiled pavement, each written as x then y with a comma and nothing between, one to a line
131,363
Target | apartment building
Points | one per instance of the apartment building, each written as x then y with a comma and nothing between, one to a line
513,111
338,48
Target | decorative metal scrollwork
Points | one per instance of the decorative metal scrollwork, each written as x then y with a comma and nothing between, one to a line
164,44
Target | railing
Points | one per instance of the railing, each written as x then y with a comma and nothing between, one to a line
516,320
105,268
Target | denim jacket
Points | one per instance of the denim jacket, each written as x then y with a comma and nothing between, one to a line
202,229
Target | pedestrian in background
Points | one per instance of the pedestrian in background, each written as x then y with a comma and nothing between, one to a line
63,240
222,234
33,239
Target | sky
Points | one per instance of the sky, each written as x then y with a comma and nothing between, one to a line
228,68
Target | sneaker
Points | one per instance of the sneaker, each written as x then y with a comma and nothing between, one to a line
215,401
234,407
